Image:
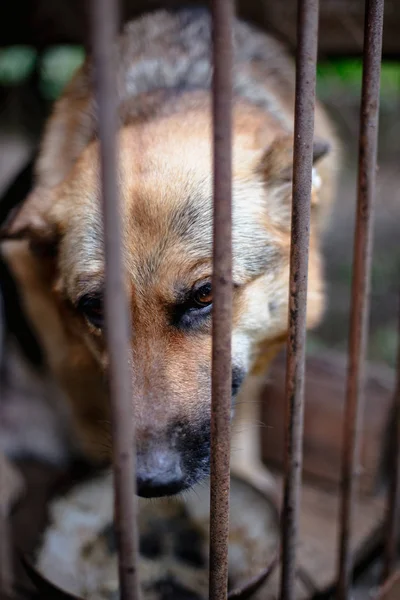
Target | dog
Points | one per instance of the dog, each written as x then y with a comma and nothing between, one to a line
54,243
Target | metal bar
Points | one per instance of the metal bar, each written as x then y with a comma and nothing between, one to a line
390,588
5,575
361,282
222,35
104,30
307,42
6,567
392,519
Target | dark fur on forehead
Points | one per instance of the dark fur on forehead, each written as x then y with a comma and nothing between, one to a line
190,224
192,220
160,56
264,256
191,217
190,67
187,228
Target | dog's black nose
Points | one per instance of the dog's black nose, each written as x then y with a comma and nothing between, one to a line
159,473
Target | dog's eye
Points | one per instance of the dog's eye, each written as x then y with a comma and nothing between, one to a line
195,306
202,296
91,306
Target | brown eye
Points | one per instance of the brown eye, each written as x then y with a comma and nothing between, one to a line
195,307
202,297
91,306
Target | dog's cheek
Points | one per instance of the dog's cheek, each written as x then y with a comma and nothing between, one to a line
238,376
77,326
241,353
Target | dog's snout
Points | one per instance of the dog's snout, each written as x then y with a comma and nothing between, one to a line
159,473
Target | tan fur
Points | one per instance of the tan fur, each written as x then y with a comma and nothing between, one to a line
165,177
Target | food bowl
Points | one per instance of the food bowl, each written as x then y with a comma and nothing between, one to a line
77,551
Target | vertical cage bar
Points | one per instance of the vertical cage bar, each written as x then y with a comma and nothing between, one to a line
307,44
392,519
368,143
222,28
6,570
104,15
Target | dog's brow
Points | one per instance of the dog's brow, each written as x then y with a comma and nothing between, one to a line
181,293
192,216
87,283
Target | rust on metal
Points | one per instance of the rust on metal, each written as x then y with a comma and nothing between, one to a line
390,590
392,519
4,533
104,30
9,490
222,27
5,566
368,142
307,41
6,571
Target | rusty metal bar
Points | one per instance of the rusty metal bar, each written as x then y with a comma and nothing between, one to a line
8,493
222,36
3,516
307,42
104,29
6,570
361,282
5,567
392,518
390,588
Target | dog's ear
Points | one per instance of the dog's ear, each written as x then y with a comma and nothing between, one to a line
276,169
320,149
33,219
277,161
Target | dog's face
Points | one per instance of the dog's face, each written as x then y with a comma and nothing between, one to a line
165,177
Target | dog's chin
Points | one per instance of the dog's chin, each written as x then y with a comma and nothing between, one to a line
162,493
150,489
172,490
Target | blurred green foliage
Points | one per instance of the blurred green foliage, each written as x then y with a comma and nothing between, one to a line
59,63
348,72
56,67
16,64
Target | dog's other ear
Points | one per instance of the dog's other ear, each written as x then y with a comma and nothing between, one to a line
276,169
320,149
31,220
277,161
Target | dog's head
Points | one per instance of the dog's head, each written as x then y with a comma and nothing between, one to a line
165,178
